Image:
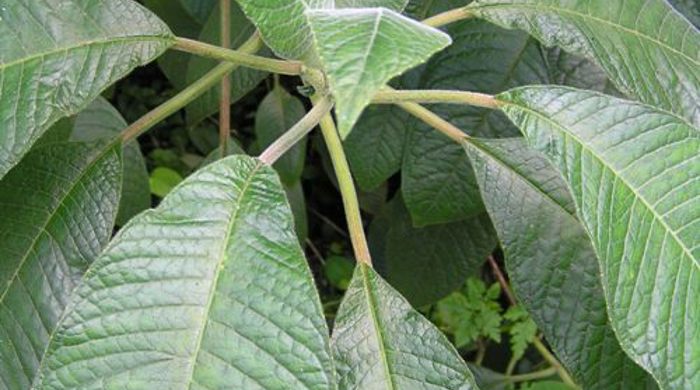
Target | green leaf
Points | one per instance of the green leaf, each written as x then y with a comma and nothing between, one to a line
688,8
57,58
647,49
576,71
546,385
58,207
426,264
243,80
163,180
284,24
362,49
522,331
487,379
396,5
438,183
101,121
550,261
297,202
633,172
380,342
276,114
375,146
339,270
199,9
209,290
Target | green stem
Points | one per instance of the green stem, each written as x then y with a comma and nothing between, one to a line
193,91
546,373
347,188
432,119
388,96
448,17
240,57
225,93
552,360
296,132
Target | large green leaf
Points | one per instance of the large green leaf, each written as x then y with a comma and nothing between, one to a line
209,290
575,71
647,49
396,5
101,121
634,174
243,79
689,8
58,208
362,49
438,183
426,264
56,57
551,264
284,24
380,342
276,114
199,9
375,146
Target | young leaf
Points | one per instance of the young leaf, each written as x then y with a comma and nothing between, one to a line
522,331
101,121
284,24
210,289
647,49
426,264
276,114
57,57
362,49
58,207
634,174
380,342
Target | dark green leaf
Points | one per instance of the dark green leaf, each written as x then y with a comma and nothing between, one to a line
199,9
58,56
58,208
297,202
209,290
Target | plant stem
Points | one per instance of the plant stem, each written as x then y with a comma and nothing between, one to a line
547,372
347,188
296,132
240,57
225,93
501,280
386,96
448,17
435,121
193,91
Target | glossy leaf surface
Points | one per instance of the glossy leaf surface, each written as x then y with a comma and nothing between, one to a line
58,208
362,49
56,57
209,290
380,342
551,263
647,49
634,174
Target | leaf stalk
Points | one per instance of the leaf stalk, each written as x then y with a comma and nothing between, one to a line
389,96
448,17
225,93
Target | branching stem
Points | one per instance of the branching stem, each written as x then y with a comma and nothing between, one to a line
193,91
296,132
225,93
448,17
388,96
239,57
546,373
347,188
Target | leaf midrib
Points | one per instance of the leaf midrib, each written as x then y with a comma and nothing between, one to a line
653,211
593,18
219,268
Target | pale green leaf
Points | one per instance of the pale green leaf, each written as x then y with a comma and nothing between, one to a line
162,180
362,49
634,172
101,121
56,57
396,5
284,24
58,207
380,342
648,50
209,290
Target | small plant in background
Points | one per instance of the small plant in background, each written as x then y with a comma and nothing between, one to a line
180,226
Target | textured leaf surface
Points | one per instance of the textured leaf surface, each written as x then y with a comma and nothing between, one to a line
101,121
362,49
56,57
380,342
438,183
396,5
634,174
551,263
58,208
184,295
575,71
647,49
426,264
689,8
243,79
276,114
375,146
284,25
